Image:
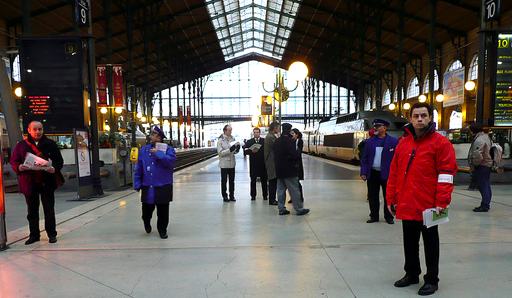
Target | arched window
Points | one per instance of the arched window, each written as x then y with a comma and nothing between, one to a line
454,66
473,68
386,99
413,89
16,69
395,95
426,82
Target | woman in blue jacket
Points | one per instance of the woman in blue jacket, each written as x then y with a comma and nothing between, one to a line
375,164
153,175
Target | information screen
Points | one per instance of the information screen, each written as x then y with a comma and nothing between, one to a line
503,99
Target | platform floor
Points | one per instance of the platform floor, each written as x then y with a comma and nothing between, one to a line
245,249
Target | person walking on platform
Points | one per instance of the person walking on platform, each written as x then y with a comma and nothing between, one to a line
270,165
227,147
287,164
153,176
420,177
38,180
480,163
375,161
255,149
299,145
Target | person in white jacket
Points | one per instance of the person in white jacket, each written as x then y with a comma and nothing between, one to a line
227,147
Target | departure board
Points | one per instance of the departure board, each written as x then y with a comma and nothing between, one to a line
503,91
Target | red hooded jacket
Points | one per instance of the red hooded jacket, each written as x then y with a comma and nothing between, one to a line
421,173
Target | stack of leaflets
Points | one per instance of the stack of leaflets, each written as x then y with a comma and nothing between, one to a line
432,218
35,162
254,148
161,147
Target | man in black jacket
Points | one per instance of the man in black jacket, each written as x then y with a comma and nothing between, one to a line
257,163
287,160
38,181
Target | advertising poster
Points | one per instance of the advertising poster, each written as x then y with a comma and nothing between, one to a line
189,119
102,85
82,153
453,88
503,90
180,115
117,85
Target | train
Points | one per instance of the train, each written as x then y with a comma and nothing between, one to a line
338,137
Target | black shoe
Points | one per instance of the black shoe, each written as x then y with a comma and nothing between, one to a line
164,235
253,198
265,198
427,289
406,281
273,203
147,227
284,212
390,221
31,240
52,239
303,212
232,199
225,200
481,209
371,220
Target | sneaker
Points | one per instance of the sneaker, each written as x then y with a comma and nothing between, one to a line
303,211
406,281
480,209
284,212
52,239
427,289
31,240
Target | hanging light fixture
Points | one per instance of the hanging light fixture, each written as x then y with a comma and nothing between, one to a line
470,85
119,110
407,106
391,106
103,110
440,97
422,98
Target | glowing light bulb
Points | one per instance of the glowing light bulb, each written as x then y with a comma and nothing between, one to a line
103,110
422,98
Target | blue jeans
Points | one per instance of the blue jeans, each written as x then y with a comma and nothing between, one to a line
292,184
482,176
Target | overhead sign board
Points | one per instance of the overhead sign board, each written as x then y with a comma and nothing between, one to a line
492,9
503,88
82,13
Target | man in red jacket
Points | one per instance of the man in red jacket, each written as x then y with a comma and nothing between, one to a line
421,177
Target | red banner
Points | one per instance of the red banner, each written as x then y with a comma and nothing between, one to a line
180,115
102,85
117,85
189,120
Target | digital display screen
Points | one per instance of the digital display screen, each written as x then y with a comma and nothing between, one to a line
503,91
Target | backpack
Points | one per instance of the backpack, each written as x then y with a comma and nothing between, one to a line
496,152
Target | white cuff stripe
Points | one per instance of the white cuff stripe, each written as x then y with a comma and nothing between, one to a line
445,178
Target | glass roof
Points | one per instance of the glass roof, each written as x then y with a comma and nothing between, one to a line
253,26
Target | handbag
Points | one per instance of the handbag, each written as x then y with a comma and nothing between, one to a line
59,178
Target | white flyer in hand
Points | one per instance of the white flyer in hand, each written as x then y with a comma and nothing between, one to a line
161,147
431,218
255,147
35,162
234,143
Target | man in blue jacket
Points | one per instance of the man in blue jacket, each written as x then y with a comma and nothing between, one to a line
375,163
153,175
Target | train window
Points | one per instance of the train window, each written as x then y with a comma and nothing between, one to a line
339,140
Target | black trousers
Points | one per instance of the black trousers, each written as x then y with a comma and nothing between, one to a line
301,193
412,230
162,213
224,174
272,190
48,201
264,187
374,186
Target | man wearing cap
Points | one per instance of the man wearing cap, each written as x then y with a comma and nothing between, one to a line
375,162
153,175
287,159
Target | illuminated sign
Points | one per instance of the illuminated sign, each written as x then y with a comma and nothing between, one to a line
503,88
38,105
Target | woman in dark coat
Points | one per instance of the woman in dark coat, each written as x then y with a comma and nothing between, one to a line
299,144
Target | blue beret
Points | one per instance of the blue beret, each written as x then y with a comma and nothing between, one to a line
381,122
158,131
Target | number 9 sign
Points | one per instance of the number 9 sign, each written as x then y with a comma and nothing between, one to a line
82,12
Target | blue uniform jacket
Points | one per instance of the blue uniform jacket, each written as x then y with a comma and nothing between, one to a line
387,155
153,170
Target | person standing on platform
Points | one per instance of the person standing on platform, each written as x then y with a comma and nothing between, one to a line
299,145
255,149
420,177
153,176
227,147
375,161
38,181
480,163
287,164
270,165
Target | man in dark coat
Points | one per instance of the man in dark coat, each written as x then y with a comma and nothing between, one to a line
257,163
287,163
40,180
153,175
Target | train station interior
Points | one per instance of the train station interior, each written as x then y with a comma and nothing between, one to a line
100,75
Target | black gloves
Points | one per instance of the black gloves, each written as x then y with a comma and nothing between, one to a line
232,148
235,148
